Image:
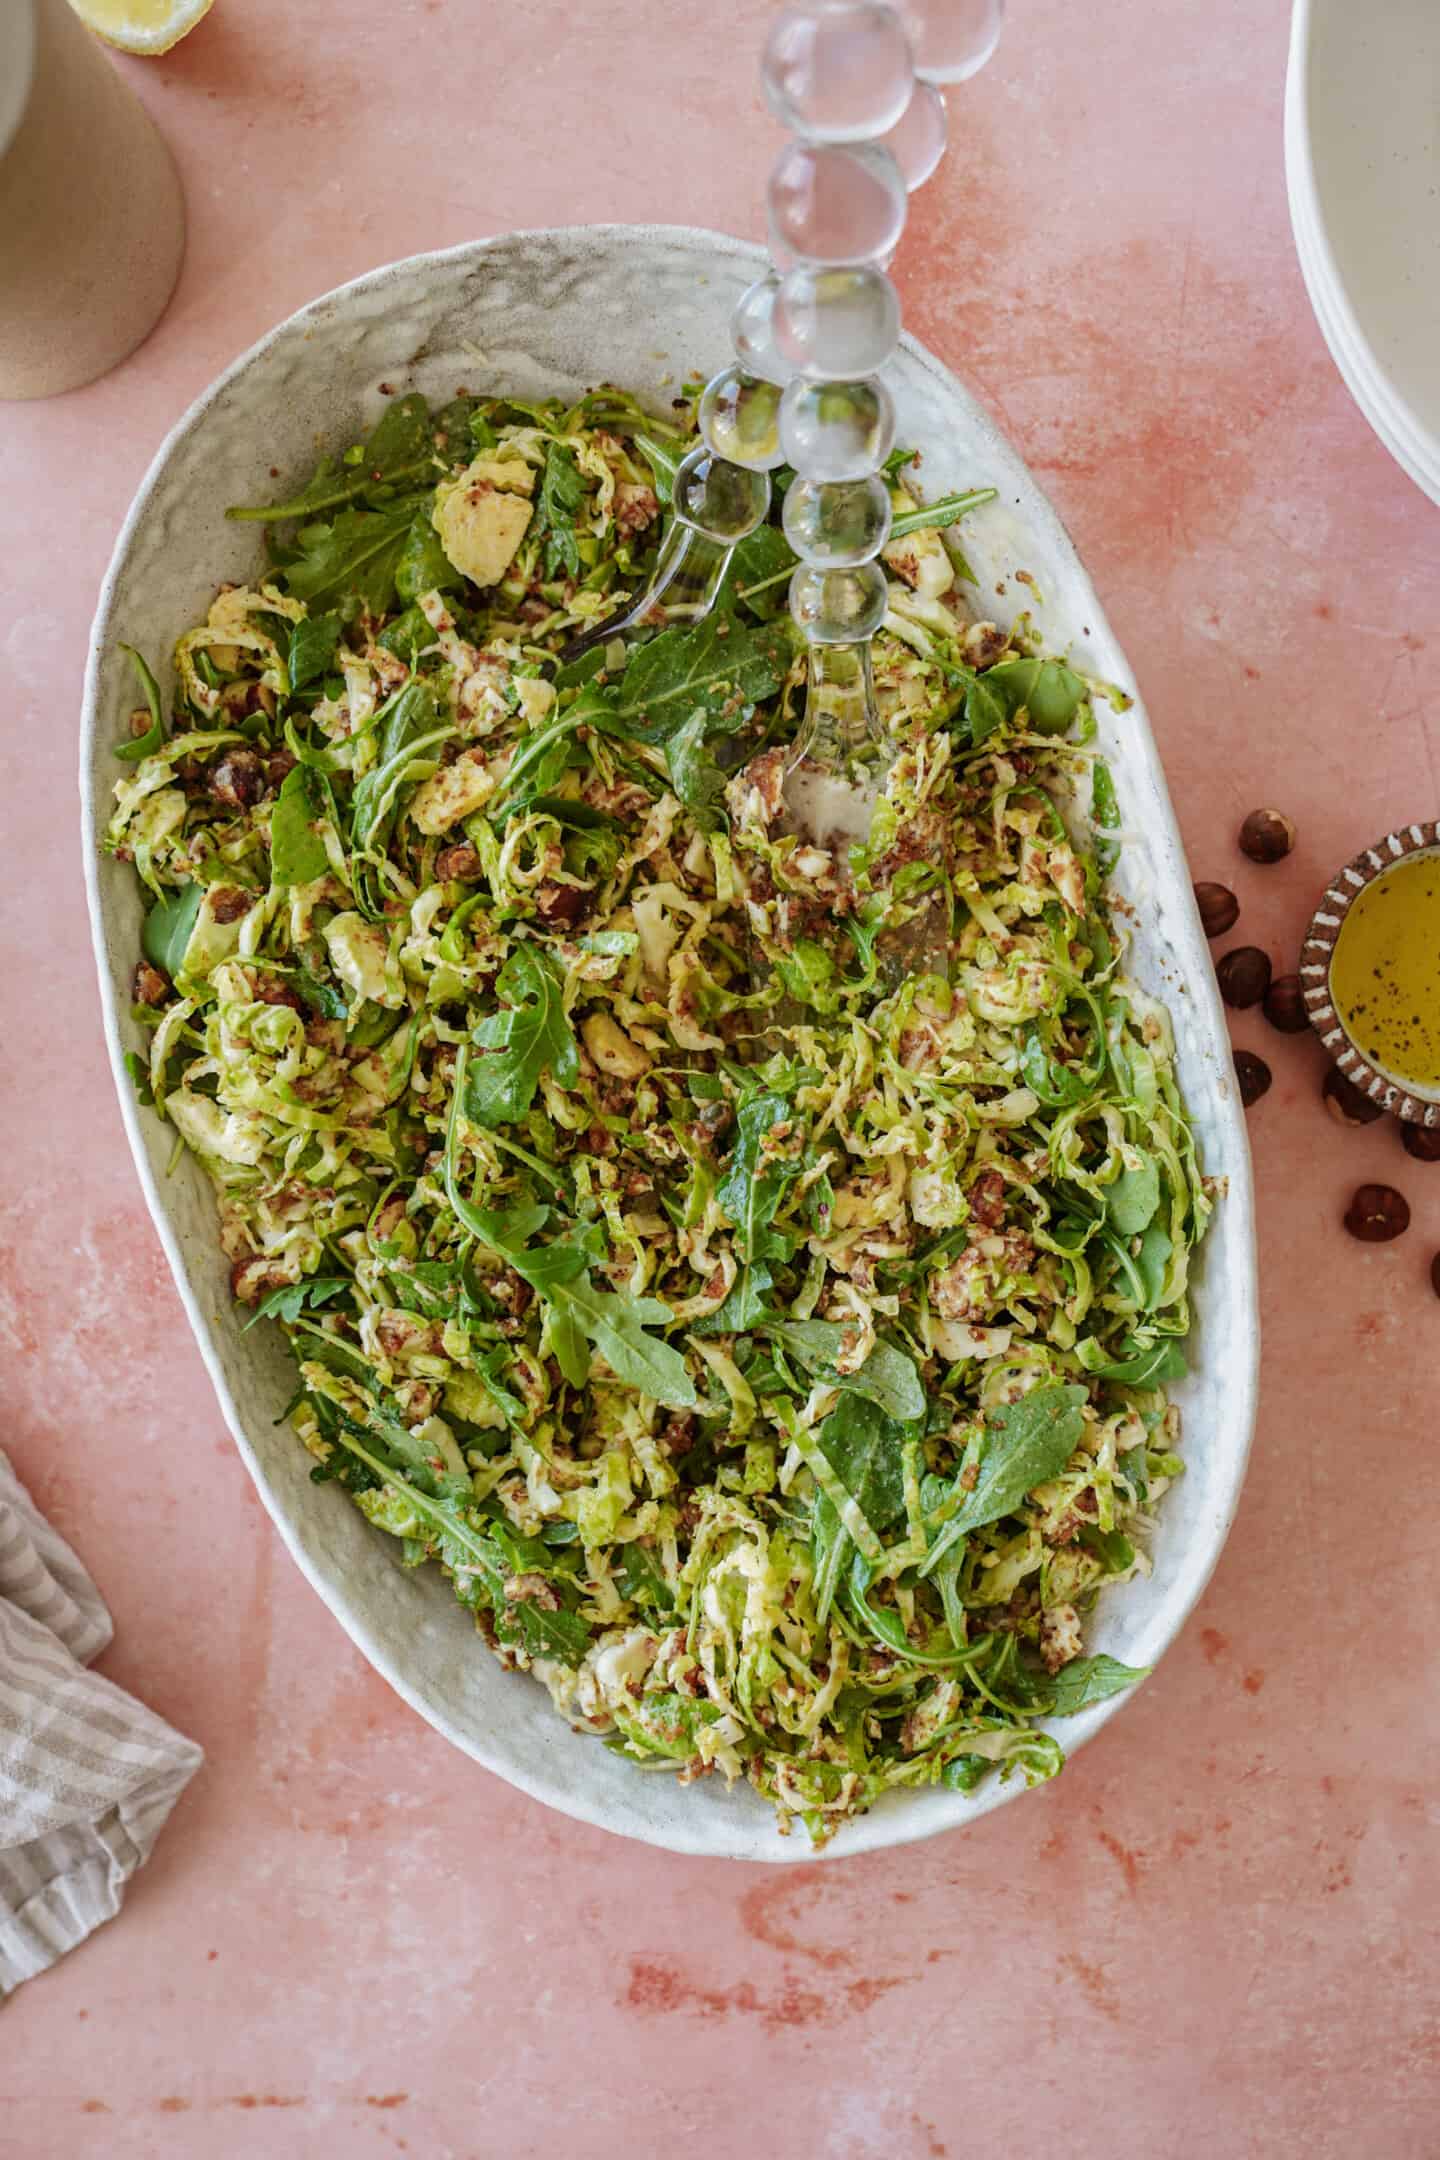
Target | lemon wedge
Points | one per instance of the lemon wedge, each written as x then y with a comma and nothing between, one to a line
141,26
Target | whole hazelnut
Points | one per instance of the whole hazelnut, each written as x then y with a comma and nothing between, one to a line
1267,836
1435,1274
1376,1214
1421,1141
1219,909
1346,1103
1254,1076
1285,1005
1243,975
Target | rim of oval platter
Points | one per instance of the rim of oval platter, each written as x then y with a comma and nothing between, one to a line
1403,1099
897,1819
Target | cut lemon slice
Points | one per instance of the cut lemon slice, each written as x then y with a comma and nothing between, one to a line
141,26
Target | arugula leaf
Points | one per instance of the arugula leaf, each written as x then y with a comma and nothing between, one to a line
1025,1443
616,1327
562,493
563,1634
403,434
428,1287
1091,1680
406,728
407,636
830,1548
472,1550
1050,692
1131,1201
1152,1262
297,852
744,1306
964,1772
579,1313
399,448
664,462
695,778
1153,1366
313,644
167,928
332,1351
507,1230
717,666
865,1450
350,563
985,710
531,1033
290,1300
888,1378
935,516
138,1069
761,569
1057,1085
321,996
533,761
756,1181
886,1625
136,747
1082,1682
423,565
1112,1546
808,973
642,1579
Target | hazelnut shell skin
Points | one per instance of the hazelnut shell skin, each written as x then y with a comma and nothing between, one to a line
1284,1005
1254,1076
1219,909
1376,1214
1422,1142
1346,1103
1435,1274
1244,976
1267,836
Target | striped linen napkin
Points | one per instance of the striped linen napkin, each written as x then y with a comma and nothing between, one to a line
87,1774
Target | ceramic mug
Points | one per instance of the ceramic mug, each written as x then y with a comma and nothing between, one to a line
92,220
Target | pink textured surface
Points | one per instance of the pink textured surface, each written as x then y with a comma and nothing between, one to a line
1216,1932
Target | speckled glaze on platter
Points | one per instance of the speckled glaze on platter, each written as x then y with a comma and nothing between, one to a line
558,311
1416,1106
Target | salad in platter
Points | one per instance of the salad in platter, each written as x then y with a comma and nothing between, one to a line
769,1343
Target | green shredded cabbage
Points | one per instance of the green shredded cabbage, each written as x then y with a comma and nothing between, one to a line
769,1342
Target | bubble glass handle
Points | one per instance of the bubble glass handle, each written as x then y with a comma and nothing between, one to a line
839,72
917,140
836,323
752,332
952,39
835,203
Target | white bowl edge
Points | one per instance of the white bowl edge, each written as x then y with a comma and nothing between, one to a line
741,1827
1409,441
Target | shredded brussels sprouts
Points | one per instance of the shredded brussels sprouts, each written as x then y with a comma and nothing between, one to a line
771,1346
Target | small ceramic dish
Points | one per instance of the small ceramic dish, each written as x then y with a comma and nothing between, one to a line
1403,1099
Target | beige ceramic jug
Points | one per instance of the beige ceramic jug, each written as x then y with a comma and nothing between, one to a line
92,220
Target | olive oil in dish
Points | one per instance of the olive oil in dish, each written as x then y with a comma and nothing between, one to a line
1385,972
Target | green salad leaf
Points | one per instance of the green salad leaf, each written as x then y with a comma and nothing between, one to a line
297,853
168,927
1024,1444
516,1044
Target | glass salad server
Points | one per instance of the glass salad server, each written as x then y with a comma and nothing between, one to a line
856,82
